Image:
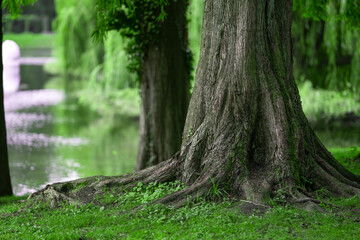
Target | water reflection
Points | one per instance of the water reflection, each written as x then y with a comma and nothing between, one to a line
32,98
38,140
53,138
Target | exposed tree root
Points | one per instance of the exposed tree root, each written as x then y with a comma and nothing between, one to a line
305,200
85,190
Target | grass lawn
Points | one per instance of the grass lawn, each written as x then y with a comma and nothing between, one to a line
31,40
111,217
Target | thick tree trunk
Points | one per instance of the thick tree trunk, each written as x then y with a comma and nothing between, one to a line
245,129
245,132
164,77
5,183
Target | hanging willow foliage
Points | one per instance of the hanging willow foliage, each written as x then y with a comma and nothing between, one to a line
137,20
78,20
319,10
102,64
325,32
14,6
77,53
326,45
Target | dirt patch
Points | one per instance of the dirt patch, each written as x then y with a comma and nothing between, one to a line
357,158
249,208
311,207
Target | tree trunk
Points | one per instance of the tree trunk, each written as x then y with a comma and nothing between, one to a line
245,133
245,130
164,82
5,183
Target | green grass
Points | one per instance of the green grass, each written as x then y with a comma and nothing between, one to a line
109,217
320,104
346,157
31,40
202,221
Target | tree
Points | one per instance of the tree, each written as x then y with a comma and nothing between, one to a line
160,55
76,53
248,131
5,182
164,84
245,131
326,50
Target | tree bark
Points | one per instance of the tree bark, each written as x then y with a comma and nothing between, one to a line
5,182
164,83
245,129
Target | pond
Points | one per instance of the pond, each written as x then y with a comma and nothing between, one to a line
51,137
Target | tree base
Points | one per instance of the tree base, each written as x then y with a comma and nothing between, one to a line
87,190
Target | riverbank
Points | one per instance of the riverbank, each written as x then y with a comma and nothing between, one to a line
33,45
31,40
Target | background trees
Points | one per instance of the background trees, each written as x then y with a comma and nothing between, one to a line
326,49
94,70
159,54
77,54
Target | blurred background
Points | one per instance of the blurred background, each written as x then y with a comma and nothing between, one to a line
72,105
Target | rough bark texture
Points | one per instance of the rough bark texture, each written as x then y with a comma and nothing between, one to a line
245,132
5,183
164,77
248,131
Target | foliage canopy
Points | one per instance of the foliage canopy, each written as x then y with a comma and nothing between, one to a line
317,10
327,50
14,6
137,20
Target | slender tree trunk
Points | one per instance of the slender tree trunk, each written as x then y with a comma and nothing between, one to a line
164,77
5,183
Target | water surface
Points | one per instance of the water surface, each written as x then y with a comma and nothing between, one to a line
51,137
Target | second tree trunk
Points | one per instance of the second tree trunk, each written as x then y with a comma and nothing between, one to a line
164,80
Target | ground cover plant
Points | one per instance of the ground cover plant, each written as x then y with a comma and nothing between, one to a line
112,215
